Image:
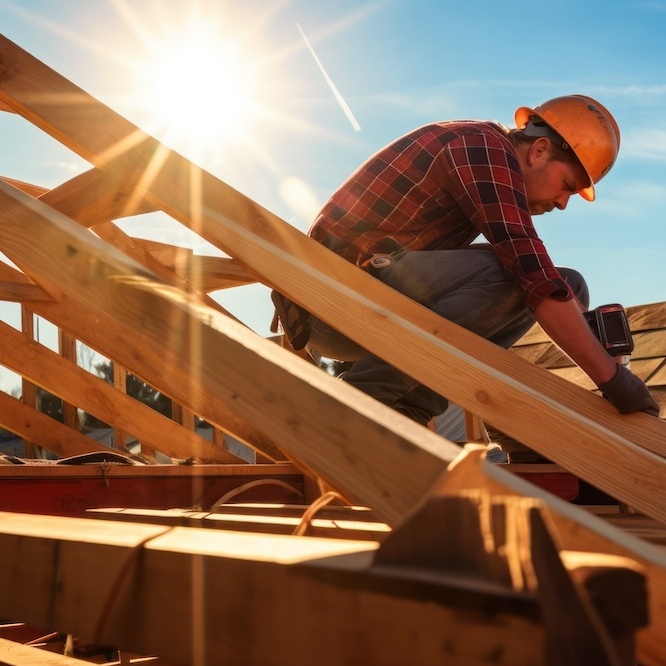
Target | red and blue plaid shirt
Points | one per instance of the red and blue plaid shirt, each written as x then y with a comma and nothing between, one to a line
437,188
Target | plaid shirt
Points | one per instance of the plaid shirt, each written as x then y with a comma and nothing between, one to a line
437,188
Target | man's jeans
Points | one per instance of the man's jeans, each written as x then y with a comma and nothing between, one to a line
469,287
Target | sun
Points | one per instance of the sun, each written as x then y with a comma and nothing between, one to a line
198,88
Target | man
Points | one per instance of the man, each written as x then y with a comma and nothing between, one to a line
409,215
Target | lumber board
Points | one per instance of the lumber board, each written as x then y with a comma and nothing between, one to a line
472,372
105,336
324,423
250,599
78,387
138,472
18,292
207,273
15,654
258,521
33,426
28,188
577,530
93,197
93,200
214,273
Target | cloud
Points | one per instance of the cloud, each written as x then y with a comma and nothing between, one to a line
300,198
646,144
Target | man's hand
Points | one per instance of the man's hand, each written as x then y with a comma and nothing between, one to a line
628,393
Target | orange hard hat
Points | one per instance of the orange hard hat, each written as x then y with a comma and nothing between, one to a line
586,126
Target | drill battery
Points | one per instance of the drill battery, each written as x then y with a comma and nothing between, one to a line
610,325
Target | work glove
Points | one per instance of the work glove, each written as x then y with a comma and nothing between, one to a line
628,393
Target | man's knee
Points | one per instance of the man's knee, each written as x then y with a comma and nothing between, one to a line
577,283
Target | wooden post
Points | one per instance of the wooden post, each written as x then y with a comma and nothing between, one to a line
28,389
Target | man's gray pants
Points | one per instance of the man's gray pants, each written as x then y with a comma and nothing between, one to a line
469,287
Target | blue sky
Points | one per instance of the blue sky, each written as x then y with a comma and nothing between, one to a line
396,64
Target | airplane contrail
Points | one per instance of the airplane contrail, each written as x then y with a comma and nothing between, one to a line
331,85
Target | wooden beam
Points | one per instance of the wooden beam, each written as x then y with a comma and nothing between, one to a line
253,599
220,273
94,197
33,426
15,654
28,188
67,351
92,394
19,292
93,200
576,530
28,389
243,519
104,335
328,426
207,273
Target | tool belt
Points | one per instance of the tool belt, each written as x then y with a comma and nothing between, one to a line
295,320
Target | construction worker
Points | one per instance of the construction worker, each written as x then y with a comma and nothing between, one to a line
410,213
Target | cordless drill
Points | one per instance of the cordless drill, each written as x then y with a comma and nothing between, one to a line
610,325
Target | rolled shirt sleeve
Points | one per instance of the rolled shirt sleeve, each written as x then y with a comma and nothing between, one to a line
482,170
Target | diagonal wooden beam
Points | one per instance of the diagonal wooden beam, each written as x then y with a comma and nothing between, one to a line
103,334
33,426
20,292
93,197
92,394
204,359
577,429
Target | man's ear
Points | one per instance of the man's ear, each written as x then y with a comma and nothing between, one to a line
538,151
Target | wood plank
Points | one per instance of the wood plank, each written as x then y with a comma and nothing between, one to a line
67,350
577,530
28,188
15,654
19,292
229,358
32,425
214,273
94,197
92,394
259,521
63,471
472,372
253,599
28,389
104,335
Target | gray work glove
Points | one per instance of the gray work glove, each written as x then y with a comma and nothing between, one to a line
628,393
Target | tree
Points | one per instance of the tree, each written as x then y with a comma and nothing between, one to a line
138,389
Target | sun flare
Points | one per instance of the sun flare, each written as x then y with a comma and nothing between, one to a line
199,90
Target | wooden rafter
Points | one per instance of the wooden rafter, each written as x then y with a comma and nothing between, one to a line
75,385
